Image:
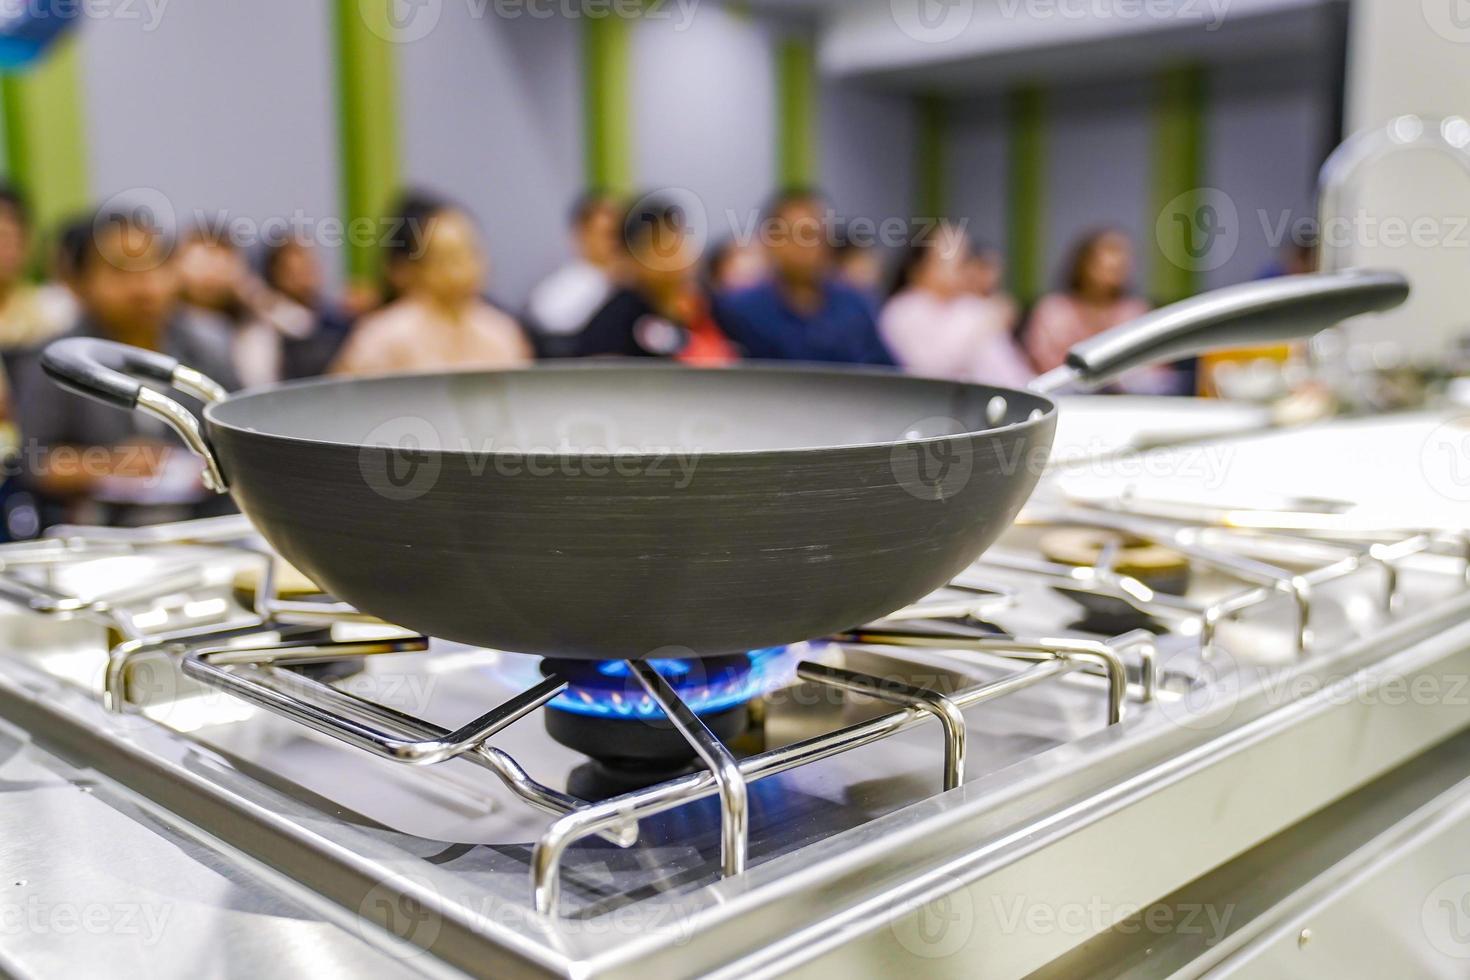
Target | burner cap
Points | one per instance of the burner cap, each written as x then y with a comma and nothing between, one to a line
1153,564
1161,569
289,583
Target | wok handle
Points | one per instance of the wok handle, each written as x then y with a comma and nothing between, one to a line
1270,311
108,372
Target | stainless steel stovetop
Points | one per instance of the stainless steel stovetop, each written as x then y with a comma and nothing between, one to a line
913,792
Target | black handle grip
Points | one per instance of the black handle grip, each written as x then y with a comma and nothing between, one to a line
104,369
1270,311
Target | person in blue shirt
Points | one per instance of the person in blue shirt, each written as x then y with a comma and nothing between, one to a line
803,313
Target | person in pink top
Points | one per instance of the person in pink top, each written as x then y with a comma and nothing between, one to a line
440,322
1098,296
936,326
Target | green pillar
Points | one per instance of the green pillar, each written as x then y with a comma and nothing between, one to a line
796,113
367,108
45,146
1026,187
1178,178
607,102
931,192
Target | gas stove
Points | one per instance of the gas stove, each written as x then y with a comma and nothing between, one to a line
1135,689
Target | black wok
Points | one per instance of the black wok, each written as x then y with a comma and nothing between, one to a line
600,512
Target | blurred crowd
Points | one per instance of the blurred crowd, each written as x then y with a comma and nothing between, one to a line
637,282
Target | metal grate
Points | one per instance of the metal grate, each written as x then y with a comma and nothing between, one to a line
250,658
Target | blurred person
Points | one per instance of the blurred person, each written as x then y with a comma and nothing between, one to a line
410,215
985,277
858,265
936,327
563,303
661,311
1295,258
440,321
293,270
734,265
274,337
1096,296
28,314
97,464
804,312
73,237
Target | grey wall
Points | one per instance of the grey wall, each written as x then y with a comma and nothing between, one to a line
975,167
866,150
1265,140
1098,140
704,102
1264,137
221,105
490,114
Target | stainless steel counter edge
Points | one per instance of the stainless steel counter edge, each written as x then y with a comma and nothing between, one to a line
1049,830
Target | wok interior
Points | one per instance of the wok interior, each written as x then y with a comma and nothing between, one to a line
626,410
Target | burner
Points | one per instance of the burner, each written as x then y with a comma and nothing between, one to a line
1161,569
606,714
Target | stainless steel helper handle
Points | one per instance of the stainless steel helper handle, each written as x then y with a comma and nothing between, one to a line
108,372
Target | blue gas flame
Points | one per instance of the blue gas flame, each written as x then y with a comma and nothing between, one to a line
705,692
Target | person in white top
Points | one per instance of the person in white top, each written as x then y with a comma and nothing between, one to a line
562,304
937,327
440,322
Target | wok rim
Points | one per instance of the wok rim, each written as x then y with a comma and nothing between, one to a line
1036,418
